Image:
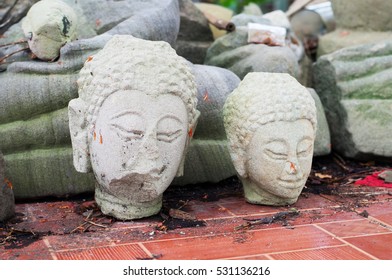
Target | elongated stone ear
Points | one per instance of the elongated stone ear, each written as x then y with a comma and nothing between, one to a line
239,163
191,132
79,135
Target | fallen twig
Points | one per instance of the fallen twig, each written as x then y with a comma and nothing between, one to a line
22,41
267,220
11,54
220,23
340,161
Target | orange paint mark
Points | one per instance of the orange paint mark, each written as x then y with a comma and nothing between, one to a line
89,58
205,97
292,167
344,33
8,184
100,138
95,135
190,132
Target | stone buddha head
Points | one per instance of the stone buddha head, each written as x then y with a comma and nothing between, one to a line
132,123
270,122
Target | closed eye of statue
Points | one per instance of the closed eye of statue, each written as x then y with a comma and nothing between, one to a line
304,148
127,133
169,128
168,136
276,150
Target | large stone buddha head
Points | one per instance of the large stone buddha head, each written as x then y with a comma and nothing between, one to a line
132,123
270,121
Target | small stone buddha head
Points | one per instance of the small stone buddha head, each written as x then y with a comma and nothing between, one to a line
132,123
270,122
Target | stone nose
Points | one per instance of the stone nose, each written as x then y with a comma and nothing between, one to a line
292,168
148,159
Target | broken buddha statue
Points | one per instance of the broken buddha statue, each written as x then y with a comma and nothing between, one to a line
132,123
271,131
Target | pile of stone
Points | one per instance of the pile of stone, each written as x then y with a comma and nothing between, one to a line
350,84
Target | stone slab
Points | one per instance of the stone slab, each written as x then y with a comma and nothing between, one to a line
355,88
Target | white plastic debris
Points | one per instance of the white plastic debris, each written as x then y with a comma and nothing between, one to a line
266,34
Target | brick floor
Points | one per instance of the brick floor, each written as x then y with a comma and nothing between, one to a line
326,227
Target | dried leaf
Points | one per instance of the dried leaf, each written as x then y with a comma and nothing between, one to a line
323,176
179,214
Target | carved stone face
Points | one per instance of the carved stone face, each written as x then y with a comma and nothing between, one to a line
279,159
137,144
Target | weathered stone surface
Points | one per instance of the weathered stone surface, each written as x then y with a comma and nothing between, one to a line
7,200
358,22
99,20
208,159
322,142
355,88
234,53
214,84
46,172
271,132
132,123
34,93
252,9
48,26
344,38
45,130
195,36
363,14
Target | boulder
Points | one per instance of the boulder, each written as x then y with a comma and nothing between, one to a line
363,14
233,52
358,22
195,36
208,158
34,96
355,88
322,142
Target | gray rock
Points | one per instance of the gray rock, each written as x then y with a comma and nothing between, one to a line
7,200
46,172
208,158
358,22
363,14
355,88
195,36
344,38
35,94
244,19
252,9
386,176
322,142
234,53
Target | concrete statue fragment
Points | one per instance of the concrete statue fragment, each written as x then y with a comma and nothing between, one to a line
132,123
48,26
7,200
271,131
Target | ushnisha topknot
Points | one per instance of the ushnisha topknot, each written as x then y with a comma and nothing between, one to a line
259,99
128,63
